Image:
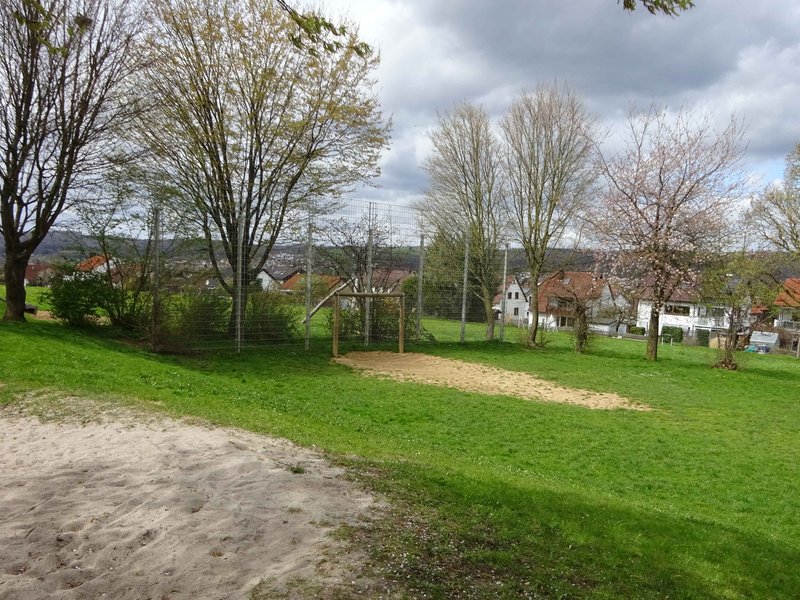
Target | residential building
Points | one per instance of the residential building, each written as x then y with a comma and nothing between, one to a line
518,300
561,292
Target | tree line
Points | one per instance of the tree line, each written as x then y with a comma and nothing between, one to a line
668,204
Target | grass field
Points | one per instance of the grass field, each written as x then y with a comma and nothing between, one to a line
499,497
33,295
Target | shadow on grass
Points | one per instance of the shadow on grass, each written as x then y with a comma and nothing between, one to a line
465,532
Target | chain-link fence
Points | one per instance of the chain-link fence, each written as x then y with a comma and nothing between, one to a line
225,298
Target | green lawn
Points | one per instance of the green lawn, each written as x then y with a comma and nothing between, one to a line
499,497
33,295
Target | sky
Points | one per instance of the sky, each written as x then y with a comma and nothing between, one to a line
726,56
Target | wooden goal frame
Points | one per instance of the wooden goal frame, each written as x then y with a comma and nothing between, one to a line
338,305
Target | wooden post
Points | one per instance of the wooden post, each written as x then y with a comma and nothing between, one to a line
402,320
336,304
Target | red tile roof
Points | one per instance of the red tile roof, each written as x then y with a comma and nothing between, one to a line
32,272
570,284
790,296
290,283
92,263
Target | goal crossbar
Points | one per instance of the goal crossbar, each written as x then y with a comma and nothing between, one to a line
337,307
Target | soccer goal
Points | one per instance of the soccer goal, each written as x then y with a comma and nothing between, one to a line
337,305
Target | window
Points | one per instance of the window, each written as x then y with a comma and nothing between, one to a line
516,295
509,295
719,313
676,309
566,321
567,280
516,312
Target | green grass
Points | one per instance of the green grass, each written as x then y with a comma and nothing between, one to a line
499,497
33,295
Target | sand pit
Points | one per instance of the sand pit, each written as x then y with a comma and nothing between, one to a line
163,509
473,377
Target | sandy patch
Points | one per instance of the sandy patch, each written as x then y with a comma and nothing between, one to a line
163,509
481,379
44,315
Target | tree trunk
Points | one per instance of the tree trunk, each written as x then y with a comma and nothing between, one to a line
487,305
652,336
14,270
534,310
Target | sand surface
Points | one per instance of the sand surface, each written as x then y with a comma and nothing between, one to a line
481,379
161,509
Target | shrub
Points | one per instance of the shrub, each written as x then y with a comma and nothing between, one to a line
78,297
270,316
637,330
385,322
195,316
675,332
702,337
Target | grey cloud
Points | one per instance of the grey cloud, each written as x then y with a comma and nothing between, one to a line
724,55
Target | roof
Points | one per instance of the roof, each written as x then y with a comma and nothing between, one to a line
92,263
32,272
570,284
790,296
290,283
685,292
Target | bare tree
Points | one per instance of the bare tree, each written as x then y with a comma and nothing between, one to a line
548,138
665,209
775,213
65,67
466,195
251,128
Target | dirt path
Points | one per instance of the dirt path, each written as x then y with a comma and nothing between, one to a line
473,377
162,509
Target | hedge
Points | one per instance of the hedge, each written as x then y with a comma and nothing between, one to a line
702,337
636,330
675,332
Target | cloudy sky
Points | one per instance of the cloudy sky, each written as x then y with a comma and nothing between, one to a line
724,55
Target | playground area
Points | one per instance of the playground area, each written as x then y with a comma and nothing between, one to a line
477,378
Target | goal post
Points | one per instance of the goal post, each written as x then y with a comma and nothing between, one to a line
401,297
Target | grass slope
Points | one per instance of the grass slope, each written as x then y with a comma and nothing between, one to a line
509,498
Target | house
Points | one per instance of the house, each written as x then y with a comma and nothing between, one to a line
787,305
684,309
39,275
518,300
298,279
560,292
269,282
95,264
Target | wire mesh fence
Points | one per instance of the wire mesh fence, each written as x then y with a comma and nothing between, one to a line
327,256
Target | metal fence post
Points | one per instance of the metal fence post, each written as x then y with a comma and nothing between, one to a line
419,284
239,267
464,289
368,316
309,271
503,299
156,277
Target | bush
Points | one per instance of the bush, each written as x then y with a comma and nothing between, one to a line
270,316
702,337
195,316
637,330
675,332
78,297
385,322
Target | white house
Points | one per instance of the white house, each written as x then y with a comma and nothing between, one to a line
269,283
518,300
684,310
787,305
